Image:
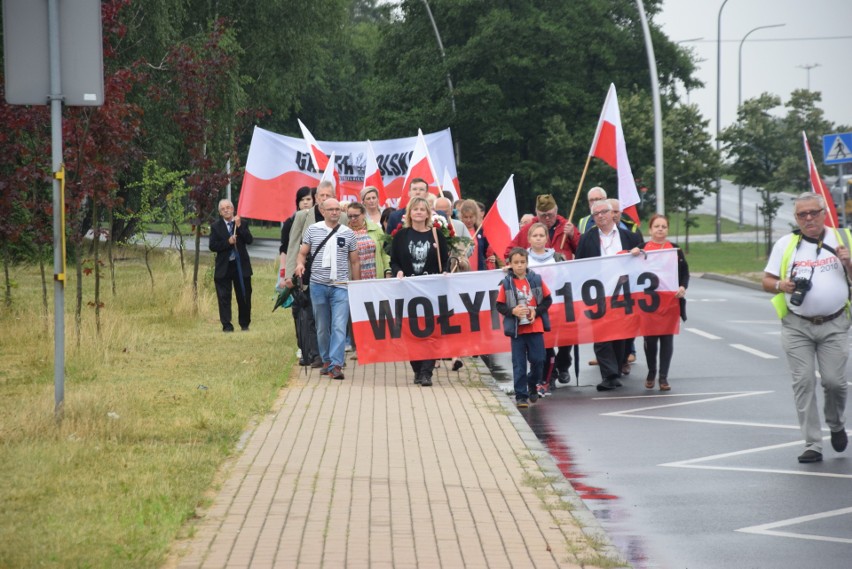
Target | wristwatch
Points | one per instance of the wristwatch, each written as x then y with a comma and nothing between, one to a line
778,285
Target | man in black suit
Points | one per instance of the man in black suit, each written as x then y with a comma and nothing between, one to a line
602,241
228,239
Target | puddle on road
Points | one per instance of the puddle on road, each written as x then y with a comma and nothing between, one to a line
606,507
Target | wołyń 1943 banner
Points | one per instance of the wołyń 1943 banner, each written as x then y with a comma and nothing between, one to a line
441,316
278,165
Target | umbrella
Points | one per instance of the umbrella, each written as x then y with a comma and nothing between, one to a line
284,298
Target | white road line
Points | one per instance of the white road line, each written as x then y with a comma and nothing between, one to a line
753,321
703,334
754,352
768,529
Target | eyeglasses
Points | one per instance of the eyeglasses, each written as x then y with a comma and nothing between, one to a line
809,214
547,215
354,215
603,211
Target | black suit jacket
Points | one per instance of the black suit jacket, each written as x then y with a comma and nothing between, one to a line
219,244
590,242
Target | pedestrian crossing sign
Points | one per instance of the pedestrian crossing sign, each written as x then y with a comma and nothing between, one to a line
837,148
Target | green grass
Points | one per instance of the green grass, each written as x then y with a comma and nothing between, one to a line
726,258
706,226
272,231
115,482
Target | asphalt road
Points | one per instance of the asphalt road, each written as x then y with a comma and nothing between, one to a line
705,476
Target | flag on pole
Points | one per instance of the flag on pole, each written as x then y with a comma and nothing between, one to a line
420,166
609,146
373,176
448,186
501,222
318,157
330,174
818,186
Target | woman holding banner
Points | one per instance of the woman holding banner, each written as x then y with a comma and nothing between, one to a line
659,225
418,248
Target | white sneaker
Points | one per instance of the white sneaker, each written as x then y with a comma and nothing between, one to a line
299,352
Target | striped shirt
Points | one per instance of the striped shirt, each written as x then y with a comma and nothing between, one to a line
343,242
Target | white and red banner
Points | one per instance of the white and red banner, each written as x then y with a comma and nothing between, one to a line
609,145
818,186
436,316
278,165
501,223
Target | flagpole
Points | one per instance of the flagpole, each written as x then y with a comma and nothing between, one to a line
579,187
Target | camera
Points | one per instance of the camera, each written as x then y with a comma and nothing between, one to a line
802,285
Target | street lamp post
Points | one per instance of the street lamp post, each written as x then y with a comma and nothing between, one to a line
658,113
719,121
444,61
808,69
740,94
740,73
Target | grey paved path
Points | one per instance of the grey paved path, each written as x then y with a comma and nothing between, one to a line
374,471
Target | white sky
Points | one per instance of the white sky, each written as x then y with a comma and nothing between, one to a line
770,66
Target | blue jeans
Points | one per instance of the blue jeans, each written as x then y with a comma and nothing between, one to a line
527,347
331,313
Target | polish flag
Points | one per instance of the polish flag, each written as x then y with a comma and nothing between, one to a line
318,157
610,147
818,186
330,174
501,222
450,186
373,176
420,166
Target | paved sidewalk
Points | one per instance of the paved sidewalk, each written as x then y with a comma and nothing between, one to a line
375,471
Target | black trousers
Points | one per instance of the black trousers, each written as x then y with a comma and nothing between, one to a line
224,288
666,351
611,356
423,366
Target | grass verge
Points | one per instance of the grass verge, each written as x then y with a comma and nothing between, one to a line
154,404
726,258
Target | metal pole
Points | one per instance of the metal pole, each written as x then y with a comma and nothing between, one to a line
58,228
444,60
658,113
719,121
740,73
808,68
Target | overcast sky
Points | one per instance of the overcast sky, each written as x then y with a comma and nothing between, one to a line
771,66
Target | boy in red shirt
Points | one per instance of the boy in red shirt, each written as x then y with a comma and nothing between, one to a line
523,300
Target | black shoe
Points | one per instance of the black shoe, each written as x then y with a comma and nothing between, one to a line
336,373
522,403
317,363
228,328
426,380
839,440
810,456
606,385
533,395
418,378
563,376
304,363
457,365
244,328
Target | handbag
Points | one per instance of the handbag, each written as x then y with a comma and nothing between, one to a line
309,259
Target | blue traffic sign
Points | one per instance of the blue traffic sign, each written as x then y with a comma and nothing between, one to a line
837,148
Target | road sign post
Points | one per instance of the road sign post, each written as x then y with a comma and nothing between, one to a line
53,54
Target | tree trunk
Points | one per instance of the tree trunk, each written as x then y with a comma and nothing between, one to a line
110,250
44,305
78,310
181,248
8,294
196,262
96,246
148,265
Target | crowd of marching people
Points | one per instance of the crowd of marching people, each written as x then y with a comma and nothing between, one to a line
326,244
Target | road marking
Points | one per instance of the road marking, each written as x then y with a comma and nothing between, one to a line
768,529
754,352
703,334
753,321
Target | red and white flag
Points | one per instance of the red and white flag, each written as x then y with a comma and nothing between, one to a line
449,186
330,174
318,157
373,176
420,166
501,222
818,186
609,146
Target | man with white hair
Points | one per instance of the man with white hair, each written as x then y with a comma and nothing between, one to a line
229,236
595,194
